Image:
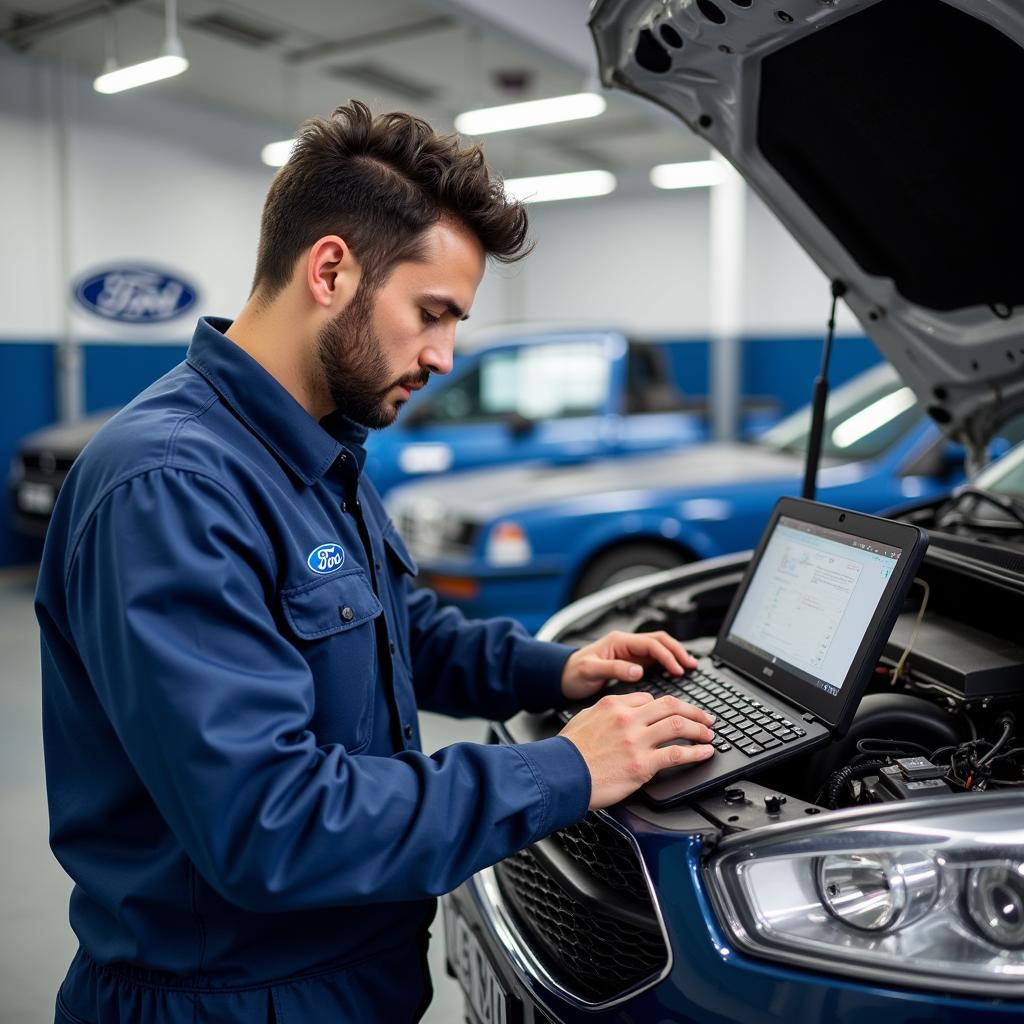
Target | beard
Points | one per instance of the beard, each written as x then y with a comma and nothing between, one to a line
354,368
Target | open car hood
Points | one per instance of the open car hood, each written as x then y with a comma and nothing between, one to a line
885,135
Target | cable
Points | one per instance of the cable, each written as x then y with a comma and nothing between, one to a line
837,780
1007,505
897,669
891,747
1008,722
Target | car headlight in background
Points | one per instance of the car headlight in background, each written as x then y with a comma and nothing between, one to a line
430,530
507,544
931,898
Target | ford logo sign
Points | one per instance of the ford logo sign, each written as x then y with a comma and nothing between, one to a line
136,294
326,558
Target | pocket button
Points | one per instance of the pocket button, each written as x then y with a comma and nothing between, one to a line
347,614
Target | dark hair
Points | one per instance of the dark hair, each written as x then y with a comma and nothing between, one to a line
379,183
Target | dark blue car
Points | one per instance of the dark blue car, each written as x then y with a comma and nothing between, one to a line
526,540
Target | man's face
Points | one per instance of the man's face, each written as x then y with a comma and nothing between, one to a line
387,342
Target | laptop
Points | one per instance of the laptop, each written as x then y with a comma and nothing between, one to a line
798,645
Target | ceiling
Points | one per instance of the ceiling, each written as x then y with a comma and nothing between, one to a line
431,57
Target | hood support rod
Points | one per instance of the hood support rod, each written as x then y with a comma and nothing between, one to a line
819,400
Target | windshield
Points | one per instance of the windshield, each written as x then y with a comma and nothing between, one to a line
862,418
1006,476
535,381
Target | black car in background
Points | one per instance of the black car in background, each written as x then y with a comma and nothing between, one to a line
39,467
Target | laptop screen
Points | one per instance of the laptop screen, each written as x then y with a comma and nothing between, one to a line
811,599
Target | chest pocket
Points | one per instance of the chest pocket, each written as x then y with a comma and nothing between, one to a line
331,620
397,549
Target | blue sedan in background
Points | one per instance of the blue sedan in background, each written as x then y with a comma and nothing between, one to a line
561,397
525,541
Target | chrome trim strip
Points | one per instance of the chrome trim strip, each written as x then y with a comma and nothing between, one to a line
487,896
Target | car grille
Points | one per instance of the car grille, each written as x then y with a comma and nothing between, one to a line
606,854
590,949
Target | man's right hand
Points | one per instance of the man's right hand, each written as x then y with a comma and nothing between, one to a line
620,739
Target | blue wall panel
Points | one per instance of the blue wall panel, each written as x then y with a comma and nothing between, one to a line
689,359
115,374
786,367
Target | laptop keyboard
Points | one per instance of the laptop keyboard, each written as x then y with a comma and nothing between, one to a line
740,721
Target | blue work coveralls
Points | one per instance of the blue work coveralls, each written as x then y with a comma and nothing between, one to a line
232,659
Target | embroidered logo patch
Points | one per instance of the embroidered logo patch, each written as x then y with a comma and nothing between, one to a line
326,558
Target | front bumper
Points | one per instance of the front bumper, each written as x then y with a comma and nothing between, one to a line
700,977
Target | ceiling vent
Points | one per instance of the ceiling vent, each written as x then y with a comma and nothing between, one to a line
236,29
375,77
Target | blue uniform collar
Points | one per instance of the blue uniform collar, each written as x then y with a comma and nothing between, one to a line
308,448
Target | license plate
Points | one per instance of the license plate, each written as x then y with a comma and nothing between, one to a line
37,498
489,1001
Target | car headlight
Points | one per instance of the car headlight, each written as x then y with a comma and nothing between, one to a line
430,530
930,897
507,544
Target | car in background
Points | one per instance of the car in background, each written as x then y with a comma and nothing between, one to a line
524,541
39,467
880,877
557,397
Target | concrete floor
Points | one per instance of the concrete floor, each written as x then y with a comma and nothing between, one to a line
36,943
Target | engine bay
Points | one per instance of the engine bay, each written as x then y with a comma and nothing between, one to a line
940,715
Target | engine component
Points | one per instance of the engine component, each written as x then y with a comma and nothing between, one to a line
896,715
901,787
965,661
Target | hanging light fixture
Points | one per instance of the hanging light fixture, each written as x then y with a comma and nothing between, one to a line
171,62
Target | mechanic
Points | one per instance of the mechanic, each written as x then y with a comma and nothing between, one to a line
233,654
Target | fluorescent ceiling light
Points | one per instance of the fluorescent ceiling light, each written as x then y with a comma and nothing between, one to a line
547,187
275,154
526,115
692,174
171,61
140,74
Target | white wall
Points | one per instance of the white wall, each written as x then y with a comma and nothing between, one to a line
157,180
29,294
642,261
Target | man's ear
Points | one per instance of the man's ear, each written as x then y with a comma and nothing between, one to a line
332,273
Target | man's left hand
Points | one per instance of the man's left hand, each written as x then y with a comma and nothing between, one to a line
621,656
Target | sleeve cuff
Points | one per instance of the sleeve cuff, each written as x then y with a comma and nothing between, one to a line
564,779
537,675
